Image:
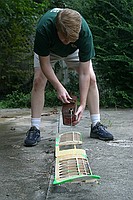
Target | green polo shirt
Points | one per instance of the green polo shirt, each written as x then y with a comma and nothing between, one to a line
47,40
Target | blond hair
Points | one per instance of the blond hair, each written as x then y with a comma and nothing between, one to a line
68,23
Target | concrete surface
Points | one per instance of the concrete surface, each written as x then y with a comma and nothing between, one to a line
26,173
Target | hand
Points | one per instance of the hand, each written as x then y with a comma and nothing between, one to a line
63,95
79,115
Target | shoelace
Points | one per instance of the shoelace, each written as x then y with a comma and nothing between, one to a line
30,133
101,125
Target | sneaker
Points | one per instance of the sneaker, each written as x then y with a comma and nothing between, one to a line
32,137
99,132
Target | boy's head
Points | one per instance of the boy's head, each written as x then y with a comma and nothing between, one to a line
68,24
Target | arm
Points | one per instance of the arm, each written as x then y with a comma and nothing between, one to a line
50,75
84,84
84,81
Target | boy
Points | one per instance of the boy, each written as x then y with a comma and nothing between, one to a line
63,34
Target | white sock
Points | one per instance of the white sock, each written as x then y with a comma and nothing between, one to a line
95,118
36,122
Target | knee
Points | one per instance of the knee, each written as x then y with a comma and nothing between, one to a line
39,83
93,81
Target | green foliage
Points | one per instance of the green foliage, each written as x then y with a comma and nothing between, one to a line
57,4
73,85
81,6
113,37
111,23
51,99
18,19
16,100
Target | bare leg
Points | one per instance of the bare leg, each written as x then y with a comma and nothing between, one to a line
97,129
37,102
93,94
37,94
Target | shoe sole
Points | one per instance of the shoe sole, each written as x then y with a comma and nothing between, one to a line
100,138
34,144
